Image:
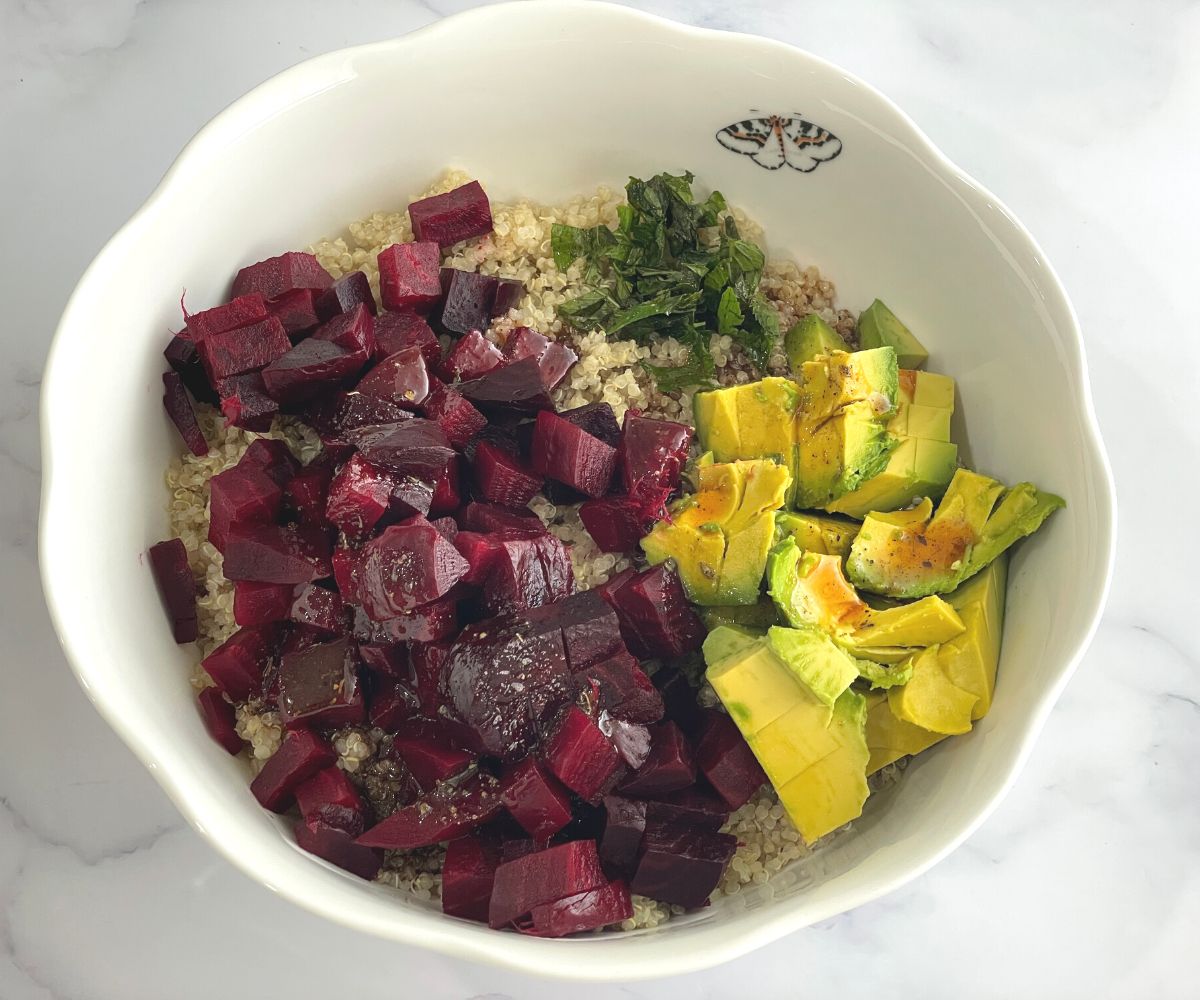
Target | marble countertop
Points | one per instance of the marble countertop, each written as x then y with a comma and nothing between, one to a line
1085,882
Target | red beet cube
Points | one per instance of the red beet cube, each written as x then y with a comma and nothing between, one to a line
244,349
570,455
240,311
307,491
447,491
319,686
400,379
656,619
240,496
310,369
359,496
598,420
273,553
386,660
554,359
585,911
407,565
414,496
447,526
727,761
501,477
336,845
581,756
616,523
408,276
183,355
443,814
394,331
694,807
261,603
543,877
245,402
297,311
413,447
457,418
427,662
625,822
344,295
272,457
277,275
449,218
587,626
327,794
680,865
668,768
624,690
390,704
179,409
535,799
508,296
301,755
318,608
470,356
237,665
353,331
176,587
470,297
431,761
427,623
527,573
485,517
482,549
467,877
220,720
653,453
334,416
513,388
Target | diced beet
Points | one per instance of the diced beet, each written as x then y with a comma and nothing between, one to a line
598,420
653,453
679,700
273,553
506,682
554,359
446,495
219,719
616,523
515,388
427,623
394,331
457,418
580,755
727,761
610,586
508,295
527,573
413,496
625,690
587,625
307,491
431,761
407,565
447,526
301,755
632,739
240,311
386,660
695,806
240,496
470,356
344,295
318,608
535,799
503,478
467,876
427,662
328,793
585,911
681,865
244,349
408,275
245,402
296,638
625,822
450,218
277,275
390,703
482,549
564,452
236,666
352,331
543,877
443,814
319,686
468,302
400,379
518,847
669,767
271,456
359,496
297,311
343,563
333,416
261,603
656,618
485,517
310,369
176,587
412,447
183,355
338,847
179,409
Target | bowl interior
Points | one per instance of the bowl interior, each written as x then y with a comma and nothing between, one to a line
359,131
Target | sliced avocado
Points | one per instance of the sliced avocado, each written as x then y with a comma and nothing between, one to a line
879,327
880,676
890,738
756,617
726,640
970,659
754,420
822,533
753,683
925,622
810,337
931,699
824,668
913,553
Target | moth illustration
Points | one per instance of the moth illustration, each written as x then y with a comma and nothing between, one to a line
778,139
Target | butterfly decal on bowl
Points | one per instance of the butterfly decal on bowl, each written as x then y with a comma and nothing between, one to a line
775,140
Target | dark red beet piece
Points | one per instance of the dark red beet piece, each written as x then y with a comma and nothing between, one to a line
336,846
329,793
469,298
508,295
408,275
407,565
427,623
352,331
179,409
543,877
580,755
535,799
653,453
467,876
176,587
183,355
457,418
624,689
446,813
598,420
564,452
447,526
245,402
307,491
344,295
679,700
220,720
515,388
452,217
359,496
727,761
261,603
277,275
484,517
310,369
527,573
585,911
412,447
695,807
394,331
482,549
386,660
632,739
656,619
586,623
343,562
241,496
680,865
413,495
470,356
272,553
427,661
333,416
319,686
318,608
554,359
301,755
295,638
625,822
390,704
447,491
240,311
244,349
272,457
236,666
503,478
297,311
400,379
616,523
431,761
669,767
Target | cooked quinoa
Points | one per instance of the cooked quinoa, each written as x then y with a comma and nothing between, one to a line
607,371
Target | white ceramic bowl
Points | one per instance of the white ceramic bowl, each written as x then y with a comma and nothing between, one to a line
591,94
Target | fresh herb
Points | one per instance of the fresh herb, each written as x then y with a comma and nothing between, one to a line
671,268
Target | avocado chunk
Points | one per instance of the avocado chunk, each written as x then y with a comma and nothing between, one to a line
881,676
815,659
915,552
753,683
931,699
879,327
755,420
757,617
720,535
890,738
810,337
725,641
823,533
970,659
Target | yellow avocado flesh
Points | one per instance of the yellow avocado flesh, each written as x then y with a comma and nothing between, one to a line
878,326
755,420
931,699
970,660
810,337
822,533
755,687
922,623
890,738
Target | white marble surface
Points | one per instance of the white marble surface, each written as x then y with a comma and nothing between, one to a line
1086,882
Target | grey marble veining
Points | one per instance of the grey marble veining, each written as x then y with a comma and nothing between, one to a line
1085,882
